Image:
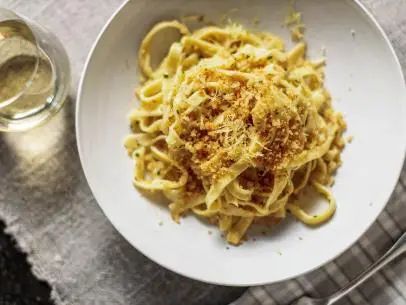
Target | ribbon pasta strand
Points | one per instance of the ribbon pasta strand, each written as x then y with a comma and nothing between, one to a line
232,127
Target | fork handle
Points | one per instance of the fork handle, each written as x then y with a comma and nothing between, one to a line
397,249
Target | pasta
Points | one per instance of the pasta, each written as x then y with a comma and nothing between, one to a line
233,128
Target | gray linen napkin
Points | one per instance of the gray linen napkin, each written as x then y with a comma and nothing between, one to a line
49,209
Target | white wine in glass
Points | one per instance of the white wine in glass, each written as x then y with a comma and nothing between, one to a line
34,73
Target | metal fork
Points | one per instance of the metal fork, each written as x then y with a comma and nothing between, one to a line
397,249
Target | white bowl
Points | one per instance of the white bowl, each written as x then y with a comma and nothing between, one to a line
366,82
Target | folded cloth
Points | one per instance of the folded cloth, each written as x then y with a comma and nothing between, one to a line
49,209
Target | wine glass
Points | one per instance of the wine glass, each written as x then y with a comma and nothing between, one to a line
34,73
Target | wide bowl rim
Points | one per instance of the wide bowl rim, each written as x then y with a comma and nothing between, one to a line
239,283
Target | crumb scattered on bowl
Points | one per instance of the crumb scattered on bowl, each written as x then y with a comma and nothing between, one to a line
353,33
323,51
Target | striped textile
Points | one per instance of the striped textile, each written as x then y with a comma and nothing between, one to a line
387,287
